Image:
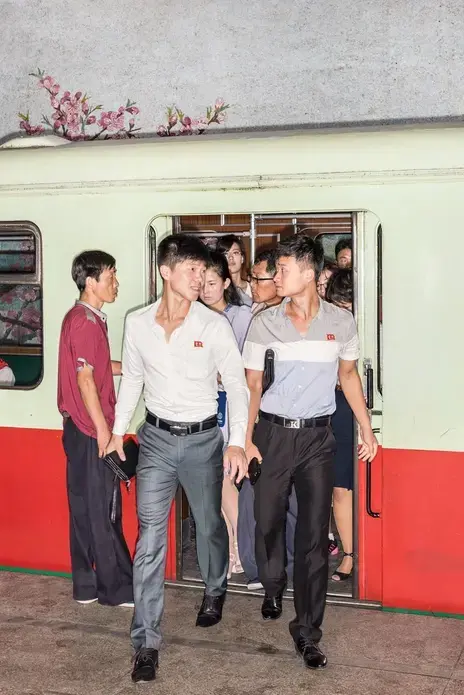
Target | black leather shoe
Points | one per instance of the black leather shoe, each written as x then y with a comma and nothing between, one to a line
312,656
210,612
272,607
146,663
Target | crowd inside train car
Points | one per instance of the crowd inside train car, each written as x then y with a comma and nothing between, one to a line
218,357
335,285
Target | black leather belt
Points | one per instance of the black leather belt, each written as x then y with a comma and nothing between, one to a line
297,424
182,429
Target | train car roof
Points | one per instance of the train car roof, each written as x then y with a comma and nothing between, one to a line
51,161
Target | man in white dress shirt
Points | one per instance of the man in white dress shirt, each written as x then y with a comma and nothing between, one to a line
173,350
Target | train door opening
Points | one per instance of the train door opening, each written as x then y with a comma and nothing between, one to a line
362,231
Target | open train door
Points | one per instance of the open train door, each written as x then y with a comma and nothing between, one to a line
368,309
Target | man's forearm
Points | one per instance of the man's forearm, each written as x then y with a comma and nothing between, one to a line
116,368
255,402
89,393
352,388
128,397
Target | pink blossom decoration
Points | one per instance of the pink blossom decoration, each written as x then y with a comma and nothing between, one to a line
189,126
74,116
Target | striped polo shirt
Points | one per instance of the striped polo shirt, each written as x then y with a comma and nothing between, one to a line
305,367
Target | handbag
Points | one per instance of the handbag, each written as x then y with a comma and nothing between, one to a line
123,470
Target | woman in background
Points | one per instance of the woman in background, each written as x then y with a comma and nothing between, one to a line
220,294
326,273
340,292
231,246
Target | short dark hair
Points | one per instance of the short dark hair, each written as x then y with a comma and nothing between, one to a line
225,243
342,244
90,264
340,287
181,247
268,256
304,249
218,263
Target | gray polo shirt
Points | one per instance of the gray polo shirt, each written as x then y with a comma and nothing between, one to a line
239,318
305,367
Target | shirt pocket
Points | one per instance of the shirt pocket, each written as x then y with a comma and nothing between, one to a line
198,364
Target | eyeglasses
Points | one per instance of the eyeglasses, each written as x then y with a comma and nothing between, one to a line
232,254
252,279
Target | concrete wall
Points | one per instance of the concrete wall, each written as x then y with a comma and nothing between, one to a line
276,62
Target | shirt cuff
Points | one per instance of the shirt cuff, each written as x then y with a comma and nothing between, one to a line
237,436
350,356
120,426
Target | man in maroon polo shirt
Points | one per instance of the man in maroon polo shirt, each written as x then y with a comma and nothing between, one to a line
100,560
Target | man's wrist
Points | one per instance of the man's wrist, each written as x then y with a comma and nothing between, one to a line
365,424
103,429
119,427
236,437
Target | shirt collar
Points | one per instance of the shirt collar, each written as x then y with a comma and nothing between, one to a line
99,313
283,313
154,310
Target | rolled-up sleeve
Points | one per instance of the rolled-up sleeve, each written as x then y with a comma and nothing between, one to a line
254,349
86,337
229,364
350,348
131,384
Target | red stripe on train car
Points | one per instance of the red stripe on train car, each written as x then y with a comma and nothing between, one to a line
34,508
423,534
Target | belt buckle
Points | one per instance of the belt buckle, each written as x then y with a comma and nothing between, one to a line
179,430
294,424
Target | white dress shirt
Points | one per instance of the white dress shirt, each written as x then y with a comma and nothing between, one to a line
179,377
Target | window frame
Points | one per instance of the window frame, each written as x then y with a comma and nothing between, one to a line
16,228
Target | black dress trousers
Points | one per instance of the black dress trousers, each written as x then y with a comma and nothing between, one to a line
302,457
100,559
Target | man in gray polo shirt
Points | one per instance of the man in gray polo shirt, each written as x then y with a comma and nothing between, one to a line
313,342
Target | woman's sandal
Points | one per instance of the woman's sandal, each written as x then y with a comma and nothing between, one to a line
343,576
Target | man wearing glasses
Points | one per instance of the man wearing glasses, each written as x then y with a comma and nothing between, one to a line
261,280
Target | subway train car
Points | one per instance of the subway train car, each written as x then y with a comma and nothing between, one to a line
396,192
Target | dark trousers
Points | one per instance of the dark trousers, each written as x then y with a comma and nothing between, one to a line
304,458
246,531
100,559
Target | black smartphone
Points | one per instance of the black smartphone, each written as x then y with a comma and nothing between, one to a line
254,471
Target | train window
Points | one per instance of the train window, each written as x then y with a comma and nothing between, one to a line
329,242
21,342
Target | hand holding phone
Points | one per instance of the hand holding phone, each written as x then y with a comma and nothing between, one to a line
254,471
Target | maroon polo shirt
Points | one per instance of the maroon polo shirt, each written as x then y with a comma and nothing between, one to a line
84,340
